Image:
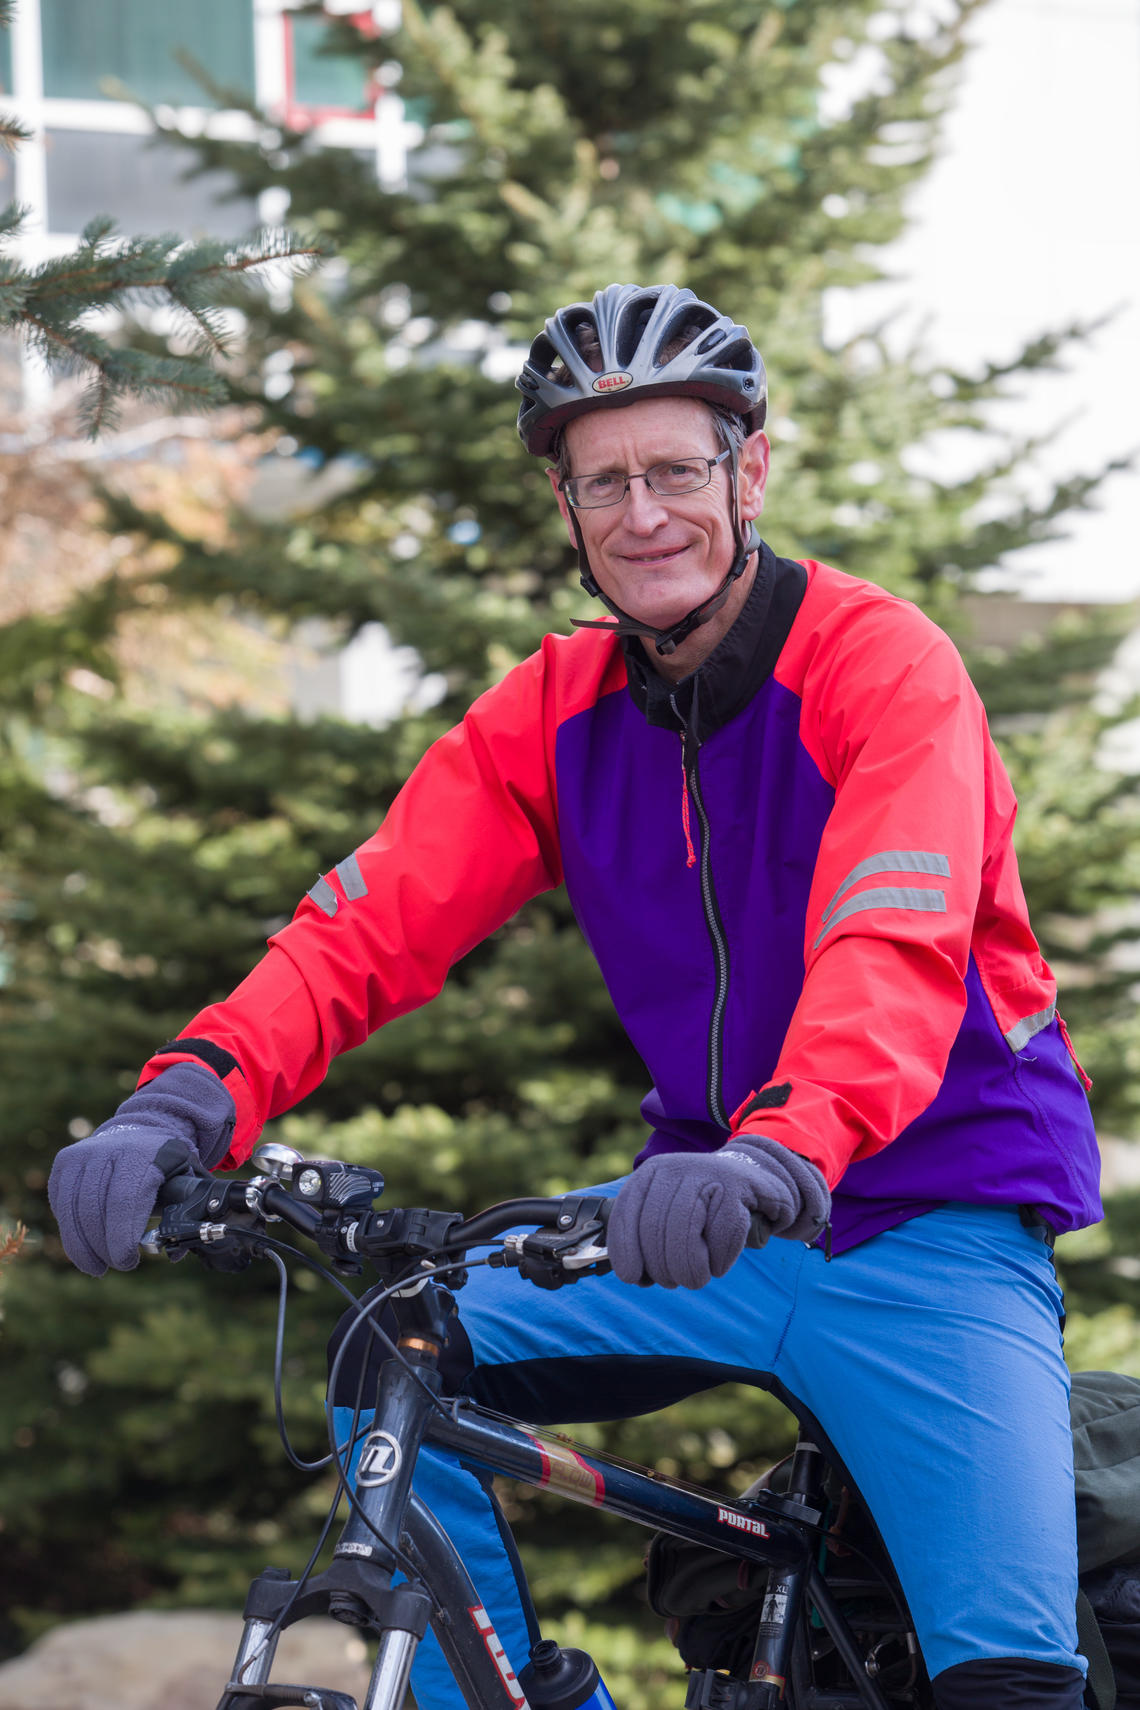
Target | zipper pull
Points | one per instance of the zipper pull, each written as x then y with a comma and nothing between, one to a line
691,854
689,747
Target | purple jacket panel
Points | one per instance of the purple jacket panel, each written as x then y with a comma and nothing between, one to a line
620,789
623,855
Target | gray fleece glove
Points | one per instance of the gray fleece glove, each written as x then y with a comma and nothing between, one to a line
102,1189
685,1217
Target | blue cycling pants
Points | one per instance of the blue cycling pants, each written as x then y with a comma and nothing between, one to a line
931,1358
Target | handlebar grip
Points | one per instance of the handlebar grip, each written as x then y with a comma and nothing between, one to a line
180,1185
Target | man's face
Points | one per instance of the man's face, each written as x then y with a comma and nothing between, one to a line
658,557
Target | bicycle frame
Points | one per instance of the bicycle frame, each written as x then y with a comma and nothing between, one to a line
388,1529
394,1570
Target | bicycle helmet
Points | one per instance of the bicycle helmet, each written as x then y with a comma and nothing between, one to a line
635,341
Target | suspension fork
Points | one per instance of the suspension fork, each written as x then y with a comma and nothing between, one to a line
406,1393
357,1587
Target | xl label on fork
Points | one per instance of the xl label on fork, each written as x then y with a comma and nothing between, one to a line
498,1655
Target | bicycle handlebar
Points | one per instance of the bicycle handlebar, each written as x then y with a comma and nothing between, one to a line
333,1204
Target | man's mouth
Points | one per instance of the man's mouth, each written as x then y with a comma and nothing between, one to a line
650,560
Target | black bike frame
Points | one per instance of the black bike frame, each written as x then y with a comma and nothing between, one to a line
388,1528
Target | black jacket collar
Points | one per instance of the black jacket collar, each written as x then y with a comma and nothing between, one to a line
724,683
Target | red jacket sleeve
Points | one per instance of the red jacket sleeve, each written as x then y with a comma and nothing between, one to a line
470,837
923,813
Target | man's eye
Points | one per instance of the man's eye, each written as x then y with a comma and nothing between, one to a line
601,485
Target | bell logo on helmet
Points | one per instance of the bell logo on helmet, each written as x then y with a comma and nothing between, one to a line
613,382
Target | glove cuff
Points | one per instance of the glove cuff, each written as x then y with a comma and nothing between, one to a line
191,1101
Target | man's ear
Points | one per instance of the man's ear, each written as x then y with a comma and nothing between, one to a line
560,497
752,474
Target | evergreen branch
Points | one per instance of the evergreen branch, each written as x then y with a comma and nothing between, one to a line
1041,354
51,305
222,95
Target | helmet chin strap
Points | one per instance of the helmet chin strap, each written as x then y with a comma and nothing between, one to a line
667,641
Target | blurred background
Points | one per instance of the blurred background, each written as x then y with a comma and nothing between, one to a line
268,530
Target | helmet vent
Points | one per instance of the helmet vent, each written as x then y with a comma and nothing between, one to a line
740,356
688,324
589,345
545,360
631,326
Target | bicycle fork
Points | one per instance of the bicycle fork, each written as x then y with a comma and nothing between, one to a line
357,1587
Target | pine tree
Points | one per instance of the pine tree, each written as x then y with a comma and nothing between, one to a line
563,148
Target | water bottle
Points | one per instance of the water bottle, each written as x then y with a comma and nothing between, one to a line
555,1679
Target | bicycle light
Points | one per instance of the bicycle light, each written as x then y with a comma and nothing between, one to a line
334,1186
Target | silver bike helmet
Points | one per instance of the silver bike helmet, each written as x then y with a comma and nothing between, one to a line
635,341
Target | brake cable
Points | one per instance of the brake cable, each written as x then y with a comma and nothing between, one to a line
363,1315
364,1309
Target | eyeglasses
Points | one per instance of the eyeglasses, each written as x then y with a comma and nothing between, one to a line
667,480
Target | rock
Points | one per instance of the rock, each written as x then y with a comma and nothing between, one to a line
169,1660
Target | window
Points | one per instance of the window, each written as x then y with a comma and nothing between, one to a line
320,85
136,42
88,151
140,187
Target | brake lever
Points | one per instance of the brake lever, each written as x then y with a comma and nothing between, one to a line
550,1258
580,1257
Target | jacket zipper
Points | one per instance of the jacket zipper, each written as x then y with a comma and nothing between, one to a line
689,750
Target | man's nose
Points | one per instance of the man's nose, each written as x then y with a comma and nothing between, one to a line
644,509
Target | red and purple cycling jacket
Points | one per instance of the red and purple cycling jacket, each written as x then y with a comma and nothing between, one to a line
795,870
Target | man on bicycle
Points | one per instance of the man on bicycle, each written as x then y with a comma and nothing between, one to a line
771,793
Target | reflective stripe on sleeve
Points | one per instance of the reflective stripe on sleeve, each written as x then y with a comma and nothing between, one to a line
890,861
325,897
350,876
1018,1037
888,896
